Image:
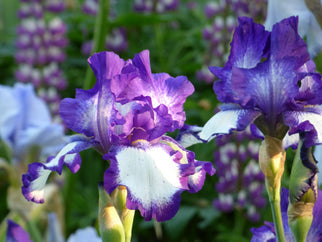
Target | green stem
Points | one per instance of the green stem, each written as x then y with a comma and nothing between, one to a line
239,222
100,31
159,45
271,160
278,222
275,201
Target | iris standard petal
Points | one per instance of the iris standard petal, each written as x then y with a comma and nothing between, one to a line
248,47
164,90
286,43
248,44
153,178
79,114
232,117
35,179
105,65
92,113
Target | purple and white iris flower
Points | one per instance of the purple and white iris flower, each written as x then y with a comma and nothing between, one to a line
270,81
25,122
125,117
267,231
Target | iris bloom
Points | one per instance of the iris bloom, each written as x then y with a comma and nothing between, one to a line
267,231
125,117
269,80
25,123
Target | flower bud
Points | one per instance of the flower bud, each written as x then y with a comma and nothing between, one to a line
115,219
271,161
303,192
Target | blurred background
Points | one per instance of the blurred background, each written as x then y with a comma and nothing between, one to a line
47,43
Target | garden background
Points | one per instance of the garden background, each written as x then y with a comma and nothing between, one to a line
184,38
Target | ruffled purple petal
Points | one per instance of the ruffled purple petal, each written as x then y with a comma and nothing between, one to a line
248,47
35,179
106,65
197,180
286,43
164,90
308,121
172,92
311,84
15,233
248,44
232,117
153,177
79,114
92,113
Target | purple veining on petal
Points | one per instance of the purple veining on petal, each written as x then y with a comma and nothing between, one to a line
247,48
274,77
161,88
153,179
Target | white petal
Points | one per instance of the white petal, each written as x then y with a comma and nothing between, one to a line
151,175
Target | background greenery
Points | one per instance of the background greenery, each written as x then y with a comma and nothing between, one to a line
176,47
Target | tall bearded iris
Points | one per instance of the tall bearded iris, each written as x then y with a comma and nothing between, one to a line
269,80
125,117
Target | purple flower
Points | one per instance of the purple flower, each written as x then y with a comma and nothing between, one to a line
160,6
16,233
267,231
241,182
125,117
269,80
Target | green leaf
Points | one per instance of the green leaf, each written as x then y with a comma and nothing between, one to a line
179,222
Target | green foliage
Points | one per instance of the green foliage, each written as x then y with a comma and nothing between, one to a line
176,47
